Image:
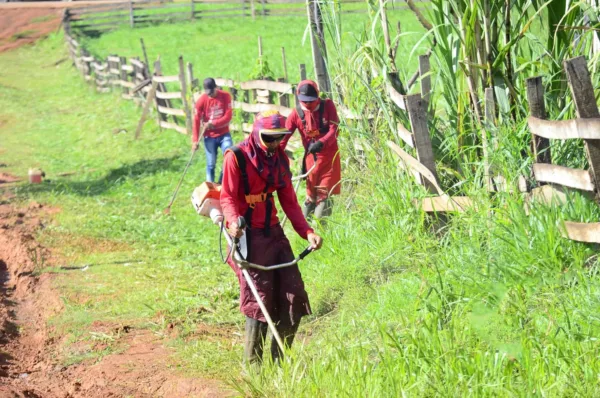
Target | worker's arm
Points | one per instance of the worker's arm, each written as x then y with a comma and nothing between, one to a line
229,189
291,123
198,117
226,118
291,207
334,121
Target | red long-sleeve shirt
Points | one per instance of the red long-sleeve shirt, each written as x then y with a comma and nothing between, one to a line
233,202
213,110
330,120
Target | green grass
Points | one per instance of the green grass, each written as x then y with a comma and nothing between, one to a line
495,303
229,47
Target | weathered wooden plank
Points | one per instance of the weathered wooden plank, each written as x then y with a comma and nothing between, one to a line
114,71
405,135
424,73
573,178
166,79
245,127
262,93
583,232
582,89
535,97
256,108
418,122
565,129
171,111
445,204
224,82
127,68
283,88
262,100
112,58
173,126
396,97
168,95
99,67
415,165
125,83
137,63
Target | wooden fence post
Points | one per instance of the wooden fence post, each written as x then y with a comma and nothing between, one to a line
131,20
264,10
193,9
122,62
285,73
283,98
193,82
537,107
582,89
302,72
253,10
319,49
424,68
417,114
186,108
157,101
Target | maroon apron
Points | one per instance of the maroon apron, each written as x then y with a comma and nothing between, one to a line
282,290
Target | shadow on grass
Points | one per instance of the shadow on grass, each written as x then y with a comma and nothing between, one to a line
113,178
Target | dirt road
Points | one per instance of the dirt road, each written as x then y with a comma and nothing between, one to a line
24,26
30,360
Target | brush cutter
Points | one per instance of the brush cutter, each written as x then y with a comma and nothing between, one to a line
205,199
299,179
167,210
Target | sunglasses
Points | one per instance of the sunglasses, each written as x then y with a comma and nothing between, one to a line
267,139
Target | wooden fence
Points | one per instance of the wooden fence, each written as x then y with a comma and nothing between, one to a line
105,17
555,179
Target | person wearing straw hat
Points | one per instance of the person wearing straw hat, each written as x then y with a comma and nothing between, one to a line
317,121
253,171
213,108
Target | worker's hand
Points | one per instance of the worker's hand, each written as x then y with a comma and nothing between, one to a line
315,147
315,241
195,146
234,230
210,126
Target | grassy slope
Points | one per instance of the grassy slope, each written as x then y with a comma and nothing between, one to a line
495,306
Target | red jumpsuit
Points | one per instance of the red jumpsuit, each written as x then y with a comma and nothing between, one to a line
282,291
325,178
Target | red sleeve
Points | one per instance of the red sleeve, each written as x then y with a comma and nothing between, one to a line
292,125
289,203
229,188
198,117
225,103
334,121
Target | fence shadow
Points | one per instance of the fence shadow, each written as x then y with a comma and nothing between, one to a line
112,179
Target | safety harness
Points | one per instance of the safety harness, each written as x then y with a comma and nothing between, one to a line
252,200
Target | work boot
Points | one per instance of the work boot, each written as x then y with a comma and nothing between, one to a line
308,209
323,209
287,334
256,332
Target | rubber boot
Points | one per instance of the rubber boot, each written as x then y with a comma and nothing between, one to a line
287,334
308,209
323,209
256,332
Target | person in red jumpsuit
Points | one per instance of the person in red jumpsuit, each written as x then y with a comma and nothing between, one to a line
267,171
317,121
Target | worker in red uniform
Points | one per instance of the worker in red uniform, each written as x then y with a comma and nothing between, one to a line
213,108
253,171
317,121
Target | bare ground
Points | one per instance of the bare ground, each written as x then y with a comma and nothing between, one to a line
30,363
24,26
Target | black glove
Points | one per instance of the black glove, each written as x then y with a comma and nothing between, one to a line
315,147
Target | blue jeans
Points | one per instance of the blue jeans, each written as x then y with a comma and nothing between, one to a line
211,146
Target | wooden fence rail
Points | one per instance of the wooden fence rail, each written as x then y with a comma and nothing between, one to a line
586,127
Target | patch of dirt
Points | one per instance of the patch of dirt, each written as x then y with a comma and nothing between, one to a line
24,26
6,178
30,364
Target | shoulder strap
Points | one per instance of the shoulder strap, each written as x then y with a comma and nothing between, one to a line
301,114
241,161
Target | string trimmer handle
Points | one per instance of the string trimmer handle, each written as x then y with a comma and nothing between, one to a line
305,253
